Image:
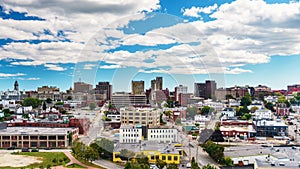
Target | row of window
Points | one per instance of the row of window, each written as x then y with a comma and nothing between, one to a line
161,131
32,137
175,158
129,140
162,136
130,135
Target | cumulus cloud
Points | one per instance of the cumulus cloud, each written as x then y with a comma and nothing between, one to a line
242,32
11,74
195,11
54,67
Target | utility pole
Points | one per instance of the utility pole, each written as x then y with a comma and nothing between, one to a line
197,154
189,149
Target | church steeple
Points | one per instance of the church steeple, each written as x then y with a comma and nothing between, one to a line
16,86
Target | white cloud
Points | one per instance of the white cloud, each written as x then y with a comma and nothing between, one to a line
195,11
11,74
33,78
54,67
243,32
89,66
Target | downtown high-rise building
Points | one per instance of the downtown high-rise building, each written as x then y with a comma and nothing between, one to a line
105,89
157,84
205,90
137,87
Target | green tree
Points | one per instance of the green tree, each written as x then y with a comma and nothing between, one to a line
214,150
90,154
194,164
110,106
172,166
208,166
142,159
287,103
44,106
246,116
59,103
34,102
270,106
126,154
205,110
178,121
227,161
160,163
25,116
105,148
191,112
92,106
246,100
49,100
70,136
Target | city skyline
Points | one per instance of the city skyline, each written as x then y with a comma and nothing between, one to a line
185,43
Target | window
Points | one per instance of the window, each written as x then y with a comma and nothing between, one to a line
169,158
175,158
163,158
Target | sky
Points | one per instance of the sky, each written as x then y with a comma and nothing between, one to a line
234,42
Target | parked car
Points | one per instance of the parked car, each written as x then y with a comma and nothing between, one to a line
10,148
25,150
48,148
35,150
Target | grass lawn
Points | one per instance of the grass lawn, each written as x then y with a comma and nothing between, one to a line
89,163
49,159
75,166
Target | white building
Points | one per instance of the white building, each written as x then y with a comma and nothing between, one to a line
143,116
163,135
271,99
130,134
228,112
180,89
114,117
216,105
263,114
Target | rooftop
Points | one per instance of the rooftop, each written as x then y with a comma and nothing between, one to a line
34,131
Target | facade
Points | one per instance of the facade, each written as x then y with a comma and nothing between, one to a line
157,84
37,137
228,113
180,89
51,92
205,90
162,135
184,99
137,87
81,87
122,99
130,134
263,114
235,92
142,116
169,153
104,89
238,129
262,90
266,128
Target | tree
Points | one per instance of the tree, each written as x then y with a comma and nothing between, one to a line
160,163
92,106
287,103
205,110
178,121
261,97
105,147
34,102
214,150
246,116
90,154
49,100
126,154
194,164
110,106
25,116
142,159
191,112
270,106
208,166
59,103
44,106
172,166
246,100
227,161
253,109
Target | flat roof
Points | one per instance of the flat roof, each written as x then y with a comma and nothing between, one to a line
34,131
164,148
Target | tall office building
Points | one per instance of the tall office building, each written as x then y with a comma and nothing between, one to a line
104,88
205,90
81,87
137,87
157,84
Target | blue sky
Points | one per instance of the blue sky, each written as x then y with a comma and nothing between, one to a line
241,42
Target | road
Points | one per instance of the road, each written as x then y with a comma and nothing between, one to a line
96,126
107,164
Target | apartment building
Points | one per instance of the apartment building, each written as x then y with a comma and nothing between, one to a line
142,116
